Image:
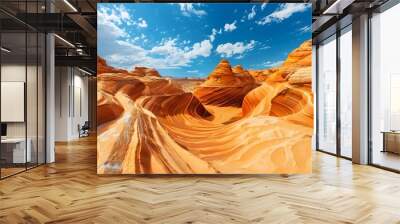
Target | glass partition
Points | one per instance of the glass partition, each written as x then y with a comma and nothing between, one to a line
13,94
22,101
327,95
346,92
385,89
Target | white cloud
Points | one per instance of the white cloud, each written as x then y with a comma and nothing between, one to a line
122,50
109,19
265,47
142,23
166,55
271,64
305,29
263,6
193,71
283,12
252,13
202,48
213,34
230,27
238,48
189,9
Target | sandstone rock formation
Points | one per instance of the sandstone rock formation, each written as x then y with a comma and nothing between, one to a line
225,86
299,58
102,67
261,75
143,71
286,93
230,124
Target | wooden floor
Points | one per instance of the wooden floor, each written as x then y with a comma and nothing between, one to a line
69,191
387,159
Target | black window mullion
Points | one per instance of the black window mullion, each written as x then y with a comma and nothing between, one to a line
37,90
338,76
1,163
26,86
316,97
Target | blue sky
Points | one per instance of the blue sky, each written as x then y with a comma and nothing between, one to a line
189,39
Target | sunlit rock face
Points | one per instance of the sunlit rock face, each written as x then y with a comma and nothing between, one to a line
225,86
299,58
261,75
143,71
232,122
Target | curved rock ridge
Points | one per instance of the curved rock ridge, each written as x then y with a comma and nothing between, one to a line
298,58
110,85
286,93
233,122
225,86
301,76
166,105
223,96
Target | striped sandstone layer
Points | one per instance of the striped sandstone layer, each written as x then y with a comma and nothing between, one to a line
231,123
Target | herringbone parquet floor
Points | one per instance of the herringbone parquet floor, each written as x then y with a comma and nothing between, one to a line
69,191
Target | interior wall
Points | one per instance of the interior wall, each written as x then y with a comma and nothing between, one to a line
16,73
61,103
71,102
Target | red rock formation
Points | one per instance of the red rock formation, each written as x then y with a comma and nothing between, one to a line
102,67
143,71
286,93
108,108
299,58
148,124
262,75
225,87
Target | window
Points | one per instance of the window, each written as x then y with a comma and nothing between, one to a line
346,92
327,95
385,89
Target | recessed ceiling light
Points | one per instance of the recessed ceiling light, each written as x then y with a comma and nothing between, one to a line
64,40
5,50
86,72
70,5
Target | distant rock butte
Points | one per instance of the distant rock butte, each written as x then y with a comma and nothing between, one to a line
238,69
262,75
224,76
102,67
143,71
225,86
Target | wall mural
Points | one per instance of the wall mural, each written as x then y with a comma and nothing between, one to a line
204,88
